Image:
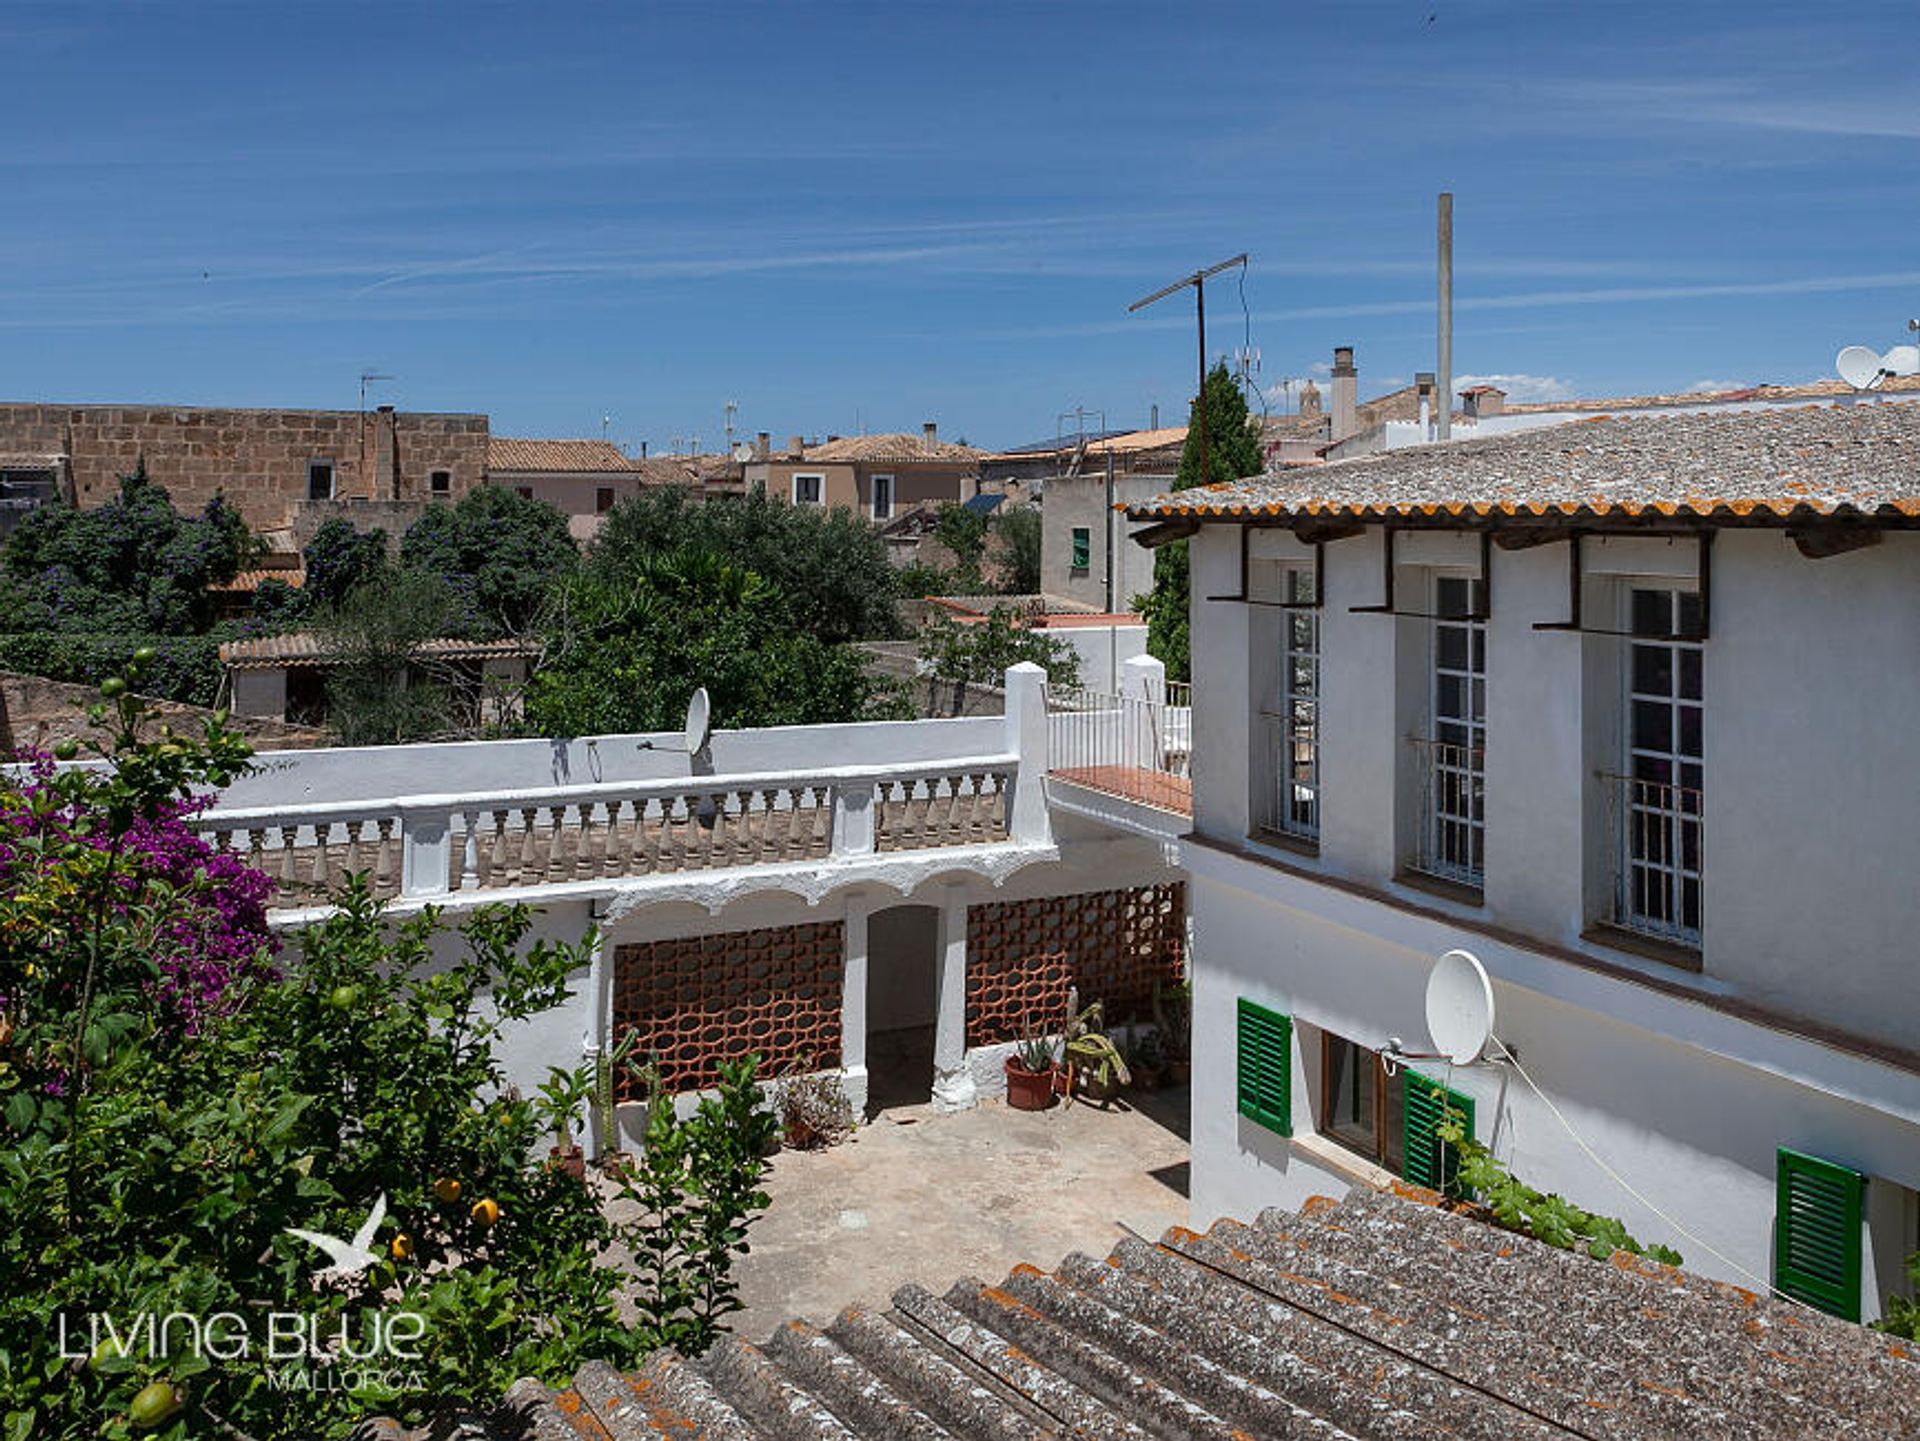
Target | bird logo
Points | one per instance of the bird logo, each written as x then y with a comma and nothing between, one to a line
349,1258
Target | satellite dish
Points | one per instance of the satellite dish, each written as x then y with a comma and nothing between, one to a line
1859,367
1459,1007
1902,360
699,722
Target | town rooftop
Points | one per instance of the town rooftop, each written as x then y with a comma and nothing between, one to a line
1774,467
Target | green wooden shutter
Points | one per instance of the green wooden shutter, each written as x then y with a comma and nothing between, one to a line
1266,1067
1427,1161
1082,547
1816,1233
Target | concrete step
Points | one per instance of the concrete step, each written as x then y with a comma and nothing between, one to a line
1361,1386
965,1399
1237,1398
1074,1410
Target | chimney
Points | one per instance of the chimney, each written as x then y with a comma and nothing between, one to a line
1153,414
762,444
1482,402
643,450
1346,385
386,484
929,437
1423,387
796,445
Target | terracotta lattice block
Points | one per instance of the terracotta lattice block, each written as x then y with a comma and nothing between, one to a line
699,1001
1022,956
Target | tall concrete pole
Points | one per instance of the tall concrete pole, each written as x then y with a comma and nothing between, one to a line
1444,382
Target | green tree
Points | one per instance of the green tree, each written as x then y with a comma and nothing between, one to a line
624,654
498,552
979,653
830,566
132,566
155,1153
383,687
338,558
1015,539
964,534
1233,451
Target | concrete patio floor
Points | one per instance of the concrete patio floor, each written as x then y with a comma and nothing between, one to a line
916,1196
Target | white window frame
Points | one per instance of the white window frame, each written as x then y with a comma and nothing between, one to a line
1659,826
1291,725
333,477
819,480
881,512
1452,776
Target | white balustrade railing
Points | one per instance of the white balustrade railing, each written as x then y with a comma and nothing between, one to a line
430,845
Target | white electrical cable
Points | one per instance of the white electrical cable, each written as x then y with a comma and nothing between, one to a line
1766,1287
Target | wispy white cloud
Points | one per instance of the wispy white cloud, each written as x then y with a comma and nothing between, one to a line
1748,104
1520,387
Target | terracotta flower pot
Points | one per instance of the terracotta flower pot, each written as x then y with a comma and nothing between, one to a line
1028,1090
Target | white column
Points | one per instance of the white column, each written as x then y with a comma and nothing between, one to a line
423,851
1143,696
953,1088
853,1003
1026,721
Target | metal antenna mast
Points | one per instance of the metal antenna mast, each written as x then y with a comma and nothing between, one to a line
1198,280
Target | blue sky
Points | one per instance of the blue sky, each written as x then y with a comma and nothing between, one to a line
862,217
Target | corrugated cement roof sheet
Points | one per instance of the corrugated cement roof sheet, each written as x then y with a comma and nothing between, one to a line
1374,1317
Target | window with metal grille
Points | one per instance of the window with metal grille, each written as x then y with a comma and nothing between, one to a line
1429,1161
1452,839
1657,805
1816,1233
1082,548
1265,1067
1290,722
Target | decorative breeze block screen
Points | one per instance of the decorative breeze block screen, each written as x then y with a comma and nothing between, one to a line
1113,945
698,1001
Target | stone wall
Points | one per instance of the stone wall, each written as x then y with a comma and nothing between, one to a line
257,458
35,712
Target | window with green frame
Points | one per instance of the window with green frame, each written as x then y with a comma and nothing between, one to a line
1082,547
1265,1067
1816,1232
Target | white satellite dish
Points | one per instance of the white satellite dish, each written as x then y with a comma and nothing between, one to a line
1901,360
699,722
1859,367
1459,1007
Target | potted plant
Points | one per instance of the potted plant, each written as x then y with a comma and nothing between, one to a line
1095,1068
1173,1015
1148,1058
1030,1074
646,1077
814,1110
564,1093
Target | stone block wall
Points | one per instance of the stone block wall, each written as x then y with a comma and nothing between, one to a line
35,713
257,458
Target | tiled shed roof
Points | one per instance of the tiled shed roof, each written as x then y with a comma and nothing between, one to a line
1762,467
1831,388
892,446
1375,1317
597,456
306,647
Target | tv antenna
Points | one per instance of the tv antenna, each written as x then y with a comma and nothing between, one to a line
370,377
1459,1014
733,409
1198,280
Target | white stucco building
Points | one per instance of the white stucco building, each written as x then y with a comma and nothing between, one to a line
1626,708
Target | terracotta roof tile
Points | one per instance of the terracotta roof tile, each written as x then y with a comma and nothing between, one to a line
894,445
598,456
1777,465
306,647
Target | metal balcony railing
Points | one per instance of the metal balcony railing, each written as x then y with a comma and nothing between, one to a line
1136,746
1450,844
1655,837
1287,800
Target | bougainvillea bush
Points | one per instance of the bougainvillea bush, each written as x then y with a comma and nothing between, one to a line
181,1110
